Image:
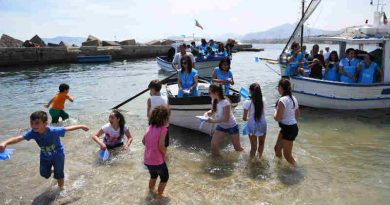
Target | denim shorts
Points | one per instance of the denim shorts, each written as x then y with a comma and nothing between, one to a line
232,130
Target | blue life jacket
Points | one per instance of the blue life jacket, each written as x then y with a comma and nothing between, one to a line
332,74
349,68
366,74
187,80
292,67
221,75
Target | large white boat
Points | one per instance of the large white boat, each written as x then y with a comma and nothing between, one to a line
184,110
338,95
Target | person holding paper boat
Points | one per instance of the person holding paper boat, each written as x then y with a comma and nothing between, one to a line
224,118
48,139
113,133
187,79
254,114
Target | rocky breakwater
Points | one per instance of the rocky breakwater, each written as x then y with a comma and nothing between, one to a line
35,51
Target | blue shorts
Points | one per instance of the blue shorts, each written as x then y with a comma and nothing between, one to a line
232,130
57,161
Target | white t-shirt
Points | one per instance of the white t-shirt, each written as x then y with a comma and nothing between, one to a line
112,136
326,55
177,58
288,117
219,115
157,101
248,105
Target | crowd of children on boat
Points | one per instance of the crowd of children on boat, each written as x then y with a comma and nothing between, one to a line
204,51
156,137
328,66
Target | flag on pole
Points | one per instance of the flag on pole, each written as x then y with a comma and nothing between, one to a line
384,18
197,24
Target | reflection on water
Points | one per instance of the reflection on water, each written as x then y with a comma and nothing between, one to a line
342,155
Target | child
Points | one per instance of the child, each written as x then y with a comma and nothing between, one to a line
48,138
155,150
222,74
156,100
113,132
225,120
287,110
257,126
57,104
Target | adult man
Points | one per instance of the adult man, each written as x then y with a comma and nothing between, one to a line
176,60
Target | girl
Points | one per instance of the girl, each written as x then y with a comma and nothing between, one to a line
221,51
367,70
332,67
187,78
287,110
223,75
113,132
257,126
226,123
155,150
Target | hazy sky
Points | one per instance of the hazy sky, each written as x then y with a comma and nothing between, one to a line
149,19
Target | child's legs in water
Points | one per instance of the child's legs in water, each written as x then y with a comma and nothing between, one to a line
59,164
236,142
253,141
260,148
287,151
164,176
278,146
215,141
64,115
55,115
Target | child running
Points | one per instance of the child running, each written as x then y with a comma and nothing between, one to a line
48,139
113,132
287,110
257,126
156,100
225,120
155,150
58,104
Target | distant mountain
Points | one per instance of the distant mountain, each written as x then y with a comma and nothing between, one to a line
284,31
65,39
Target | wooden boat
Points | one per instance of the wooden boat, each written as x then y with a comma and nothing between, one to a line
339,95
94,59
184,110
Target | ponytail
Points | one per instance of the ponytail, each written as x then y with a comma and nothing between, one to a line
216,89
286,86
257,100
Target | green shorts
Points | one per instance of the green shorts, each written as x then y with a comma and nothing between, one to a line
56,114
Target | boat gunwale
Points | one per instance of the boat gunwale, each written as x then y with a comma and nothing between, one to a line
337,83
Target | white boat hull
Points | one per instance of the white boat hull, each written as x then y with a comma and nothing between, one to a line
337,95
183,115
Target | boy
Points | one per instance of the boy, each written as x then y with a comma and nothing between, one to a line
156,100
57,104
48,138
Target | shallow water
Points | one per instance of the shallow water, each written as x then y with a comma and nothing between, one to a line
342,155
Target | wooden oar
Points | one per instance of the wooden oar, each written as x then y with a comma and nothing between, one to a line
142,92
208,80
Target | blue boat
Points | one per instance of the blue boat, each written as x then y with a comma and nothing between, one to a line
94,59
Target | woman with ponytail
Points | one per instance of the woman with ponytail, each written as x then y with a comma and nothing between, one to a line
257,126
222,115
113,132
287,110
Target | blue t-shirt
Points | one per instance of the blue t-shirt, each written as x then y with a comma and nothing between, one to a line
221,75
187,80
292,67
366,74
332,74
349,68
49,142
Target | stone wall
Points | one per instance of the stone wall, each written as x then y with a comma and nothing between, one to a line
48,55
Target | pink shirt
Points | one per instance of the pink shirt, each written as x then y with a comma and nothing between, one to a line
152,154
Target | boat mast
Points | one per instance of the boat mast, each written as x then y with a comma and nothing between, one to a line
303,15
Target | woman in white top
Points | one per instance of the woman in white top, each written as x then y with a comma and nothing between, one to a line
224,118
287,110
257,126
113,133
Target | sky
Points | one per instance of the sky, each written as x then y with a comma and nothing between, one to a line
155,19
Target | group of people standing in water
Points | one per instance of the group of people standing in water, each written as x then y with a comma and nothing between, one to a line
156,137
329,67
